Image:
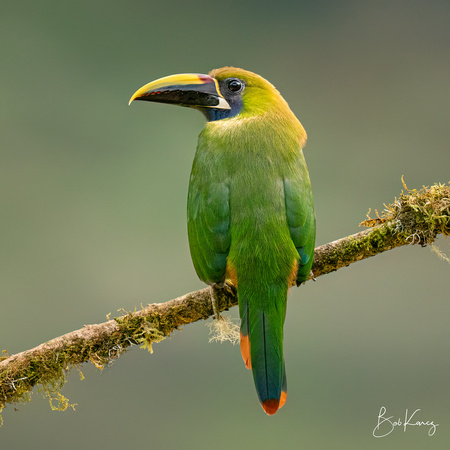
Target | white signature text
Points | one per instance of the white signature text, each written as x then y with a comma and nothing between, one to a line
386,425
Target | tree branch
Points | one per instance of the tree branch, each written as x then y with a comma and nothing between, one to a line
417,217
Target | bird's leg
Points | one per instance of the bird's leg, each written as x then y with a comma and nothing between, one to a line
215,302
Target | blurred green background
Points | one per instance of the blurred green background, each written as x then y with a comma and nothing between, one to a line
93,200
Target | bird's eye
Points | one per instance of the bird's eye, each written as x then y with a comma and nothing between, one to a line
234,85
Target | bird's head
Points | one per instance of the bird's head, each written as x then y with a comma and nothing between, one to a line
223,93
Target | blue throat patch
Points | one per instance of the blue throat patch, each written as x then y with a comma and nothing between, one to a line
213,114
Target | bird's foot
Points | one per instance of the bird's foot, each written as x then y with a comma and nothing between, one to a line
311,276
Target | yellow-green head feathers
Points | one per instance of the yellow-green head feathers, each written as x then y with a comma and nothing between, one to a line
257,94
256,100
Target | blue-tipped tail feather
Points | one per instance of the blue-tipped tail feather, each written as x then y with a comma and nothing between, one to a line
262,350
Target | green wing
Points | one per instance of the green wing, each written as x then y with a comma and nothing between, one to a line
301,220
209,227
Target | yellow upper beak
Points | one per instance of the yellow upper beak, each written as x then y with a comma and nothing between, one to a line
186,89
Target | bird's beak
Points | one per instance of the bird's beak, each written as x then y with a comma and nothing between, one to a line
186,89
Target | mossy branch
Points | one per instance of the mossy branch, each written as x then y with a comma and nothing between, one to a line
417,217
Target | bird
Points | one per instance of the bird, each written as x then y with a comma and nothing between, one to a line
251,219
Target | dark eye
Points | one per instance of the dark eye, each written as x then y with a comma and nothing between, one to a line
234,85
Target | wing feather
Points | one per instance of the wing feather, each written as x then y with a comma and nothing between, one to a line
209,229
301,221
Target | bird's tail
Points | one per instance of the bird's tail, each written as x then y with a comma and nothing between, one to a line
262,345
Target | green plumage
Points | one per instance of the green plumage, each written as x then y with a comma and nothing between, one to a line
250,208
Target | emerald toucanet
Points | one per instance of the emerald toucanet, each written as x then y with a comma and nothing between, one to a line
250,208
